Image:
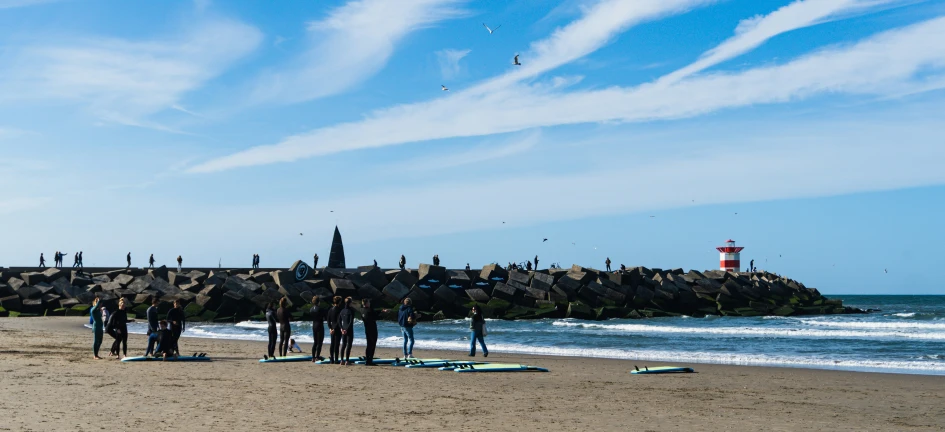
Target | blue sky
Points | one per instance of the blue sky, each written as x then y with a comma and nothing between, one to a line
809,131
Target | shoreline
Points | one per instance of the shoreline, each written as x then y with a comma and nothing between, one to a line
44,361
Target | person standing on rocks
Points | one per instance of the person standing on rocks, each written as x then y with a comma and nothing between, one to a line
375,263
477,327
273,332
75,260
407,319
128,258
467,266
98,330
178,323
333,331
42,261
608,263
151,261
403,262
315,261
318,329
623,268
180,262
536,262
369,318
285,326
751,266
436,260
81,265
346,326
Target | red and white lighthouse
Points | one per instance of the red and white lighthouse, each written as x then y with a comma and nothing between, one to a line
730,256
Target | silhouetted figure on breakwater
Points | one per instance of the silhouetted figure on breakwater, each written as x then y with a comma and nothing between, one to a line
536,262
128,258
751,266
528,265
608,263
80,260
436,260
375,263
151,261
315,261
403,262
467,266
75,260
180,262
42,261
623,268
255,261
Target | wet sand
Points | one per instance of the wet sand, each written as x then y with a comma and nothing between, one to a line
50,382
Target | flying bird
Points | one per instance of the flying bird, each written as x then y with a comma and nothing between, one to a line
544,240
300,233
491,31
885,271
444,87
515,61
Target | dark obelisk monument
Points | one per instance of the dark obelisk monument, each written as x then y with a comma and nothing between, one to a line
336,258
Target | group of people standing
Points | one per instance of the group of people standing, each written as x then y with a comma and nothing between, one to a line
340,318
58,258
161,339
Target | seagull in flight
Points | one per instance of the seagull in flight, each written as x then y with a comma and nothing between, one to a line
885,270
444,87
544,240
515,61
490,30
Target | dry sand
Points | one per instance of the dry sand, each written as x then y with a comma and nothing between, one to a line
50,382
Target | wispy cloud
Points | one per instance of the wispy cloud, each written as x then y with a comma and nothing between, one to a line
120,80
879,65
483,153
10,4
351,44
753,32
449,61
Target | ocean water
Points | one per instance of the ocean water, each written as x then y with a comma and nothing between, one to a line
907,336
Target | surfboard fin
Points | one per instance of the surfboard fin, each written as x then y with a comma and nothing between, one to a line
636,367
195,355
266,357
644,367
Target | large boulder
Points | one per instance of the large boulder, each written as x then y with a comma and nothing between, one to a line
33,278
395,291
504,292
283,278
477,295
406,278
197,276
51,274
542,281
159,273
177,279
123,279
343,288
369,292
13,303
15,283
27,292
262,277
458,280
140,283
520,276
428,271
420,299
494,273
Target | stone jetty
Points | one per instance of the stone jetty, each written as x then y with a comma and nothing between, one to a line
228,295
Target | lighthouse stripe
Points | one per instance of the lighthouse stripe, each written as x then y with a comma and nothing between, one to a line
730,263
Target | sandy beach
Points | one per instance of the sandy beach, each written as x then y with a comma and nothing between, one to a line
51,382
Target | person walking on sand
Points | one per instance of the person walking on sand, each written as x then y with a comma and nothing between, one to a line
285,326
334,333
42,261
180,262
369,318
477,327
608,263
128,258
151,261
98,330
273,330
117,328
346,326
318,329
407,319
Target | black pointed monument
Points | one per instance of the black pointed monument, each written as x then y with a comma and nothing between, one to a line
336,258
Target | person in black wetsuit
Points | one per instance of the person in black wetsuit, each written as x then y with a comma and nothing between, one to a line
165,339
273,332
346,325
177,320
285,327
333,330
118,328
153,327
369,318
318,329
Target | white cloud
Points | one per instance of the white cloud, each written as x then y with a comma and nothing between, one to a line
483,153
753,32
449,61
10,4
880,65
123,81
351,44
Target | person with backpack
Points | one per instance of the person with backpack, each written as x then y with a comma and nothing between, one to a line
407,319
346,326
477,327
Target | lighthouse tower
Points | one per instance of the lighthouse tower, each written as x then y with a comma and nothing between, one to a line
729,256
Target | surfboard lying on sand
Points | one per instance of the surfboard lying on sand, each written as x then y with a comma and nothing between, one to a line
396,361
286,359
662,370
440,364
181,359
498,367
